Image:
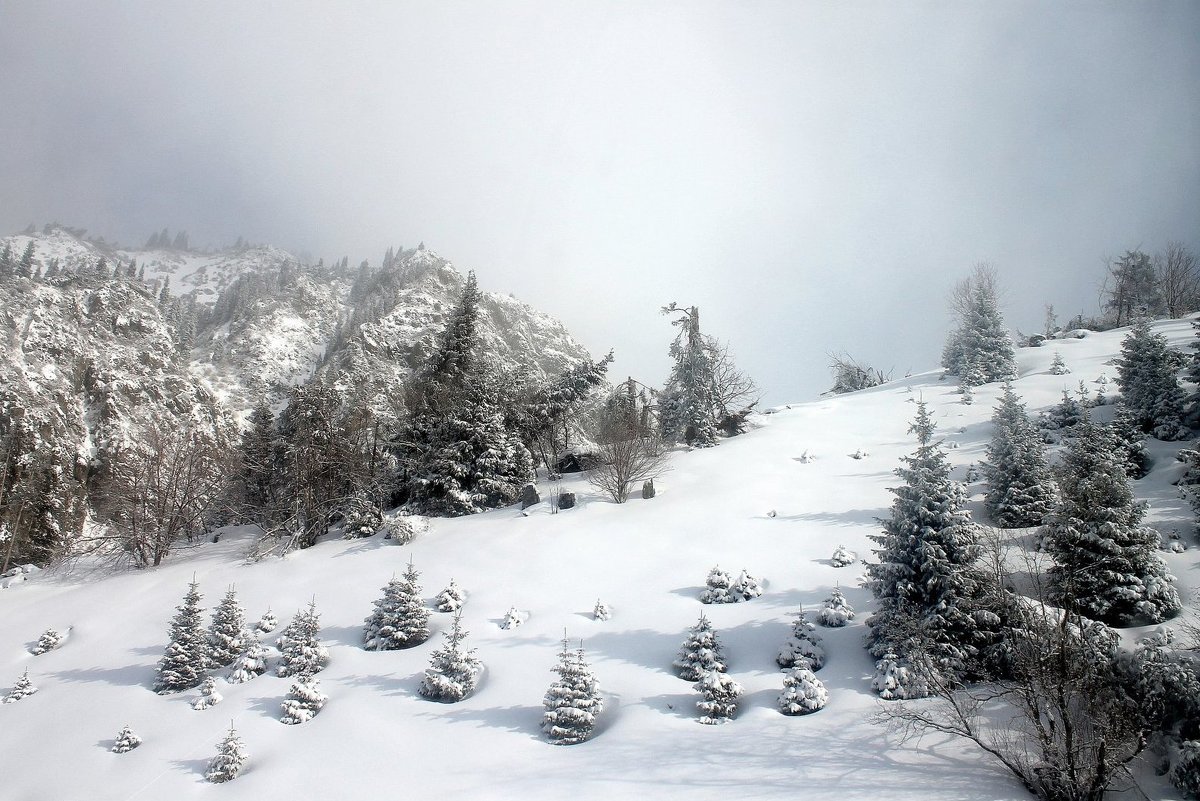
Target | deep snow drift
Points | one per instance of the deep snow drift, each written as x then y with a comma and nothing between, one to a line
752,503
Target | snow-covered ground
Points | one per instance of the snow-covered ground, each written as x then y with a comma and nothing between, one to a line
753,503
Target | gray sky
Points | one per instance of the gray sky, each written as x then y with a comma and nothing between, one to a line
815,176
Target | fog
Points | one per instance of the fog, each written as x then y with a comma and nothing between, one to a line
814,176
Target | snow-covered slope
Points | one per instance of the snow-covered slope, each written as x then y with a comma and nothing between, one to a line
751,503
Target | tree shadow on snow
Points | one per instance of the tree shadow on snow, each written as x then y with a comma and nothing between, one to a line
517,719
128,676
344,635
193,766
850,517
389,684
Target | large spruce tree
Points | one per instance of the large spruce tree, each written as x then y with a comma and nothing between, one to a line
688,401
1149,386
1020,485
979,349
186,658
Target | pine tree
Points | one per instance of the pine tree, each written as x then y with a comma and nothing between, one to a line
251,663
1105,562
836,611
258,459
24,268
1020,485
22,689
700,653
1058,366
226,633
601,611
8,264
804,644
186,658
126,741
1131,443
688,401
1149,387
925,581
896,680
231,757
979,350
450,599
720,696
300,645
268,622
573,700
803,693
208,695
49,640
304,700
400,619
453,669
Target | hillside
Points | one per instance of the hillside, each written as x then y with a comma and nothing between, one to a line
750,503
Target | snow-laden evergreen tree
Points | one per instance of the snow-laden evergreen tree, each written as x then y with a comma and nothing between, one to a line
251,663
1020,485
450,599
700,653
304,700
186,658
1062,417
268,622
803,693
126,741
230,759
720,696
1106,564
573,700
227,632
512,619
1131,442
400,619
687,402
22,689
1058,366
925,582
49,640
721,588
836,611
803,644
843,557
208,695
1149,386
1185,774
453,668
601,611
300,645
979,350
896,680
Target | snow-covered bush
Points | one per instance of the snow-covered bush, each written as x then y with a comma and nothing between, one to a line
897,680
49,640
722,589
403,528
453,669
836,611
721,694
208,695
230,758
450,599
303,654
250,664
700,653
268,622
843,556
512,619
227,632
573,700
400,619
601,611
1058,366
22,689
126,741
804,644
803,693
304,700
362,519
1185,774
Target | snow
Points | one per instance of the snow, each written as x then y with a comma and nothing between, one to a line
752,501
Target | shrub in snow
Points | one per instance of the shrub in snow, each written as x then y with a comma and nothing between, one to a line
601,611
126,741
573,700
267,623
402,528
859,454
966,394
512,619
251,663
24,687
804,644
186,658
722,589
836,611
231,757
803,693
896,680
362,519
400,619
49,640
304,700
1185,775
450,599
303,654
700,653
721,694
843,556
1058,366
226,634
453,669
208,695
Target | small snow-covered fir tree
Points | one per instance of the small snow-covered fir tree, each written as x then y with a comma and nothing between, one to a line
186,658
230,759
49,640
573,700
22,689
304,700
208,695
804,644
252,663
746,587
1058,366
268,622
1063,416
896,680
601,611
843,556
1106,564
979,350
450,599
1020,484
1131,441
126,741
700,653
1149,386
721,694
512,619
453,668
300,645
688,402
721,588
400,619
836,611
803,693
227,632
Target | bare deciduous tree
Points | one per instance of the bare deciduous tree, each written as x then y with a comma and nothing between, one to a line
1178,279
628,444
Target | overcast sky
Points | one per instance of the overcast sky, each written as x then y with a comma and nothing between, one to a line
815,176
